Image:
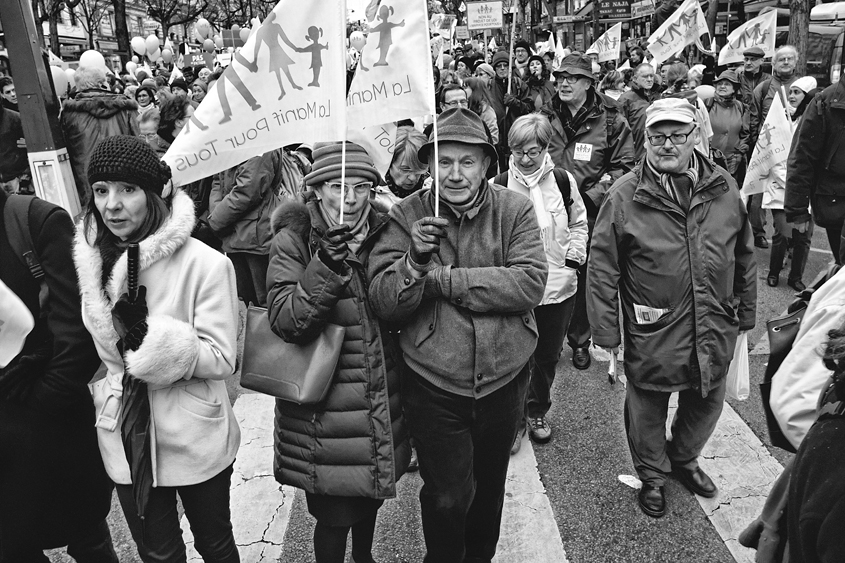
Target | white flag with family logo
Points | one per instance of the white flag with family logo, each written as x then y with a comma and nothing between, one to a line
286,85
394,78
607,46
685,26
759,32
768,161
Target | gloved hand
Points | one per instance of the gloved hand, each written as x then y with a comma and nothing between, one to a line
425,238
130,319
510,100
333,248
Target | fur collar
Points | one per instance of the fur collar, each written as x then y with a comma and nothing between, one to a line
97,300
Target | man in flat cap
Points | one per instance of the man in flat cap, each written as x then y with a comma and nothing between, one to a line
592,141
461,287
752,73
672,240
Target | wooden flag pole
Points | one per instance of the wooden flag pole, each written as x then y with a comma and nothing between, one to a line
343,147
436,171
510,58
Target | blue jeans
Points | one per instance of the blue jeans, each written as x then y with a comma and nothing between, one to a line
463,445
206,505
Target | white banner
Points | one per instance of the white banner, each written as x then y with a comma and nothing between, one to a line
768,161
759,32
394,79
686,25
484,15
607,46
379,141
286,85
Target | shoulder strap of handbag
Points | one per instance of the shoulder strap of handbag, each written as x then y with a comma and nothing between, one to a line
561,178
16,219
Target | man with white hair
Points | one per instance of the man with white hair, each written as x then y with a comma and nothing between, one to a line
672,243
94,114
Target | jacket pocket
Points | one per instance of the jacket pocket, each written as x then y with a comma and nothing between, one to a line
648,328
728,310
426,325
191,400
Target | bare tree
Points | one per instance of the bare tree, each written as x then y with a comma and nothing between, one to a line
91,14
50,11
121,29
170,13
799,31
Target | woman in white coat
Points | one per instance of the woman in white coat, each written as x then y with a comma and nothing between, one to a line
163,403
562,218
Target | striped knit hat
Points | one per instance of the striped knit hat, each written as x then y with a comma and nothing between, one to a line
327,163
122,158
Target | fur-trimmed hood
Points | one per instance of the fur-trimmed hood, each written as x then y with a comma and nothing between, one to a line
101,104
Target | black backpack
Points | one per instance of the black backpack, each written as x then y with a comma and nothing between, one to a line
561,178
19,234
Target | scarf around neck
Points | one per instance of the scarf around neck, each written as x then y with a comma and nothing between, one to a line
532,182
679,186
359,230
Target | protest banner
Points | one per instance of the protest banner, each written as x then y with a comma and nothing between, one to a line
607,46
484,15
685,26
286,85
379,141
758,32
394,79
768,160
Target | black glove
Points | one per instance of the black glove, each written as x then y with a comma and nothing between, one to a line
425,238
510,100
18,379
333,247
130,319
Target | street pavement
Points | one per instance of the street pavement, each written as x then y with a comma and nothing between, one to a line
571,500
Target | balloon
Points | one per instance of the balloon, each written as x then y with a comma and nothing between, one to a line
167,55
357,40
203,27
135,59
244,34
230,50
155,55
208,46
131,67
139,45
236,28
92,59
60,81
70,72
209,60
152,43
218,41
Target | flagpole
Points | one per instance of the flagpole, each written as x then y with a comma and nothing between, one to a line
343,140
436,171
510,58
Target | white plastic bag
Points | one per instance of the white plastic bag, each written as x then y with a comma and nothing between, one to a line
738,378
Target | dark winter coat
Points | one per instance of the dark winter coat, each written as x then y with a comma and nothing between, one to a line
633,104
52,480
729,122
604,130
13,161
816,168
747,83
354,443
505,116
698,265
540,90
89,118
761,101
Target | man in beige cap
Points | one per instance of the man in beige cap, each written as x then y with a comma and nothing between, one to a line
673,240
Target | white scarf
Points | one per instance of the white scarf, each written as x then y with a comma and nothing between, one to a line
532,182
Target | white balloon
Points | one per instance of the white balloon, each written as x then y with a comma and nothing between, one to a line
204,28
131,67
92,59
60,81
244,34
70,72
357,40
135,59
155,55
152,44
139,45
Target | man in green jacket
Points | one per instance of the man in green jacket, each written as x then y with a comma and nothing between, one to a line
673,241
461,287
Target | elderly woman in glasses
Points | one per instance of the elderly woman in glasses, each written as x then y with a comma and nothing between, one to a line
349,451
562,218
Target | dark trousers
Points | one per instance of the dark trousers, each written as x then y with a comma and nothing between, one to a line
206,505
645,423
552,322
463,445
780,244
251,276
757,215
579,333
89,546
834,237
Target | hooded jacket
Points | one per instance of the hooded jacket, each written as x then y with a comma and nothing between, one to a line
697,267
354,443
89,118
605,146
190,349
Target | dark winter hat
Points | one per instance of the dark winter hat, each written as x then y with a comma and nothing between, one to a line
754,53
522,43
458,125
122,158
327,163
577,65
728,75
500,57
537,58
468,62
147,89
179,83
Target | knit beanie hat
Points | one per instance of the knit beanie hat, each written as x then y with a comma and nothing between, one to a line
486,69
327,163
500,57
179,83
524,44
122,158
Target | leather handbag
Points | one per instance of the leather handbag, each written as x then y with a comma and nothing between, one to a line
301,374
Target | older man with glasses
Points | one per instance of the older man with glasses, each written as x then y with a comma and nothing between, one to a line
592,141
672,241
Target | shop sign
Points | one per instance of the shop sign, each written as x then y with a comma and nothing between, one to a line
614,9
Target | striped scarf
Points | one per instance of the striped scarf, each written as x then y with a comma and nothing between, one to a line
679,186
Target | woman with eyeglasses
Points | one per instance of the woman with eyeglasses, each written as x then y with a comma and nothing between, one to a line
349,451
562,218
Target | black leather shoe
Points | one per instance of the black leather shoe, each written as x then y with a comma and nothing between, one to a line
773,280
581,358
761,242
652,501
696,481
797,285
